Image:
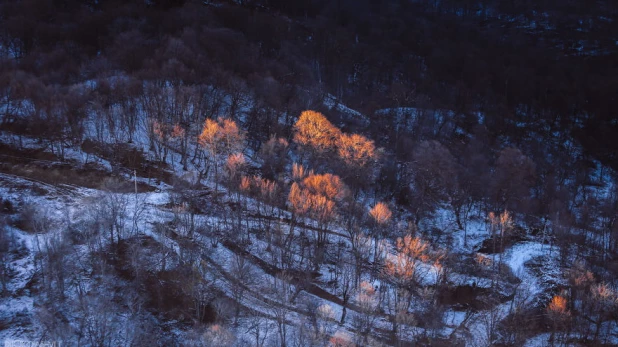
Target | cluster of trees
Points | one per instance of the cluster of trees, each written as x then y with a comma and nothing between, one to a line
501,115
586,309
368,53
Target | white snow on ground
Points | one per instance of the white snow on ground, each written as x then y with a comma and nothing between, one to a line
460,242
398,111
454,318
18,304
476,233
517,256
331,102
541,340
463,279
254,299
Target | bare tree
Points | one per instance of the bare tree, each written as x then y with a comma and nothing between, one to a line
274,157
500,228
6,245
245,276
403,272
559,314
345,284
604,299
514,177
260,328
98,320
316,196
281,289
361,250
434,173
115,206
218,335
368,303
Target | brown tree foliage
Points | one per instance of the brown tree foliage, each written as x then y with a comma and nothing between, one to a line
434,171
274,157
513,180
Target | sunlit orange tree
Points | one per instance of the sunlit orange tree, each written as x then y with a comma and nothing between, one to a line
359,157
314,134
403,275
381,216
558,313
317,196
220,139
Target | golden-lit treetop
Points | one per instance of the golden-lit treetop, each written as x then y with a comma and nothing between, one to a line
322,209
503,222
328,185
604,294
413,247
230,134
299,199
209,132
340,340
178,131
221,137
366,297
299,172
234,163
268,188
402,266
245,184
558,306
356,150
579,276
264,189
380,213
162,131
303,202
315,195
315,131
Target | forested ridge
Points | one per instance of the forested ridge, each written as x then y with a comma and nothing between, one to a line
309,173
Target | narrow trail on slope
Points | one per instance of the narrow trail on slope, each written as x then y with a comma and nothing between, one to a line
516,258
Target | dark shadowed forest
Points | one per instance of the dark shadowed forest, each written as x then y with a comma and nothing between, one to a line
309,172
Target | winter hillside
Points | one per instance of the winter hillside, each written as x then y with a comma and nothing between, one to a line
266,173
